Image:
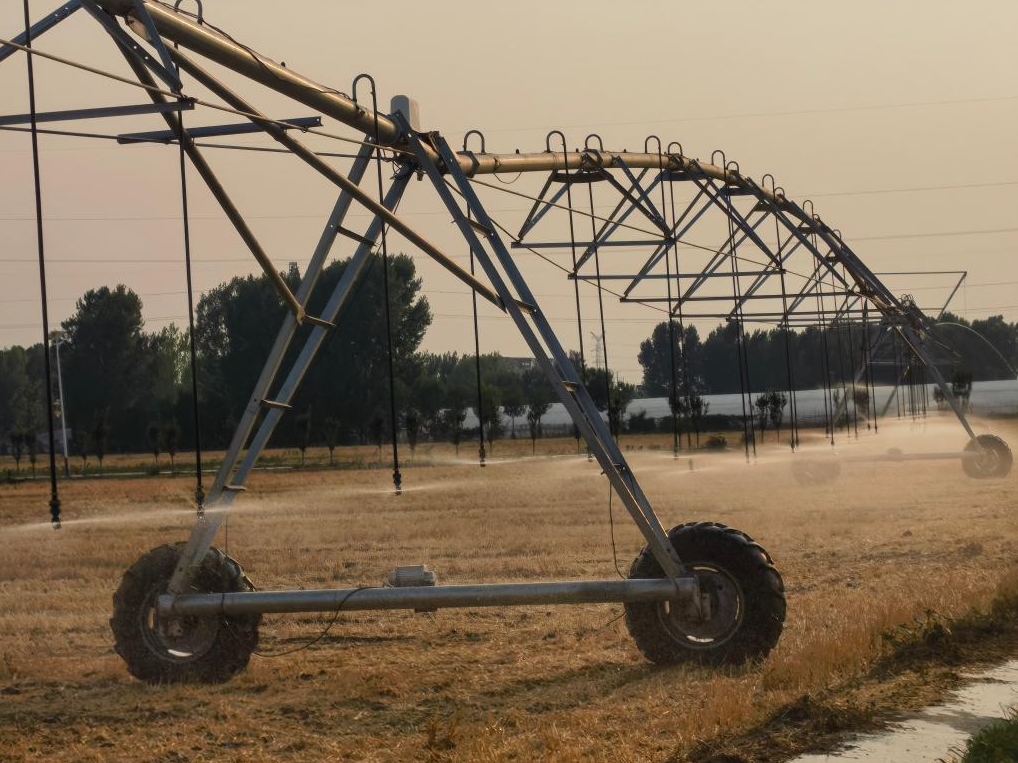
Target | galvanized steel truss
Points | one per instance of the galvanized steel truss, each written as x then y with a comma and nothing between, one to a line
699,238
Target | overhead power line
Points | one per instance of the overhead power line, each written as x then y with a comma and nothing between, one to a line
938,234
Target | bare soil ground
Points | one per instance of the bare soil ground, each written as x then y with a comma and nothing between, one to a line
881,567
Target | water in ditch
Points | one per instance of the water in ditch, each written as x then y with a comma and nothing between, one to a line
939,732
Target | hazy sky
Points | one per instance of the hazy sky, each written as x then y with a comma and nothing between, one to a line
899,119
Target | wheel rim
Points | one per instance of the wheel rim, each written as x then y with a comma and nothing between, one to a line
176,639
987,460
727,605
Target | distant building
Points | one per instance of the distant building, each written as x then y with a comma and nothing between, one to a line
520,365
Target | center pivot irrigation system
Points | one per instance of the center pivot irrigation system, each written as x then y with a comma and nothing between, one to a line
690,239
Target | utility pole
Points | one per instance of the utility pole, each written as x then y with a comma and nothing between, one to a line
598,352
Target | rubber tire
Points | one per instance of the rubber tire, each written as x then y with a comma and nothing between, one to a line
226,643
709,546
982,468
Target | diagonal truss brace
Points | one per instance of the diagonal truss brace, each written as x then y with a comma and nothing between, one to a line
47,23
548,351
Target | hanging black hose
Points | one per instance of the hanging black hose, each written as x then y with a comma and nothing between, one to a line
898,378
785,329
199,491
397,478
825,341
614,421
855,401
576,275
839,331
683,349
673,397
841,362
871,386
572,248
741,350
477,368
825,359
793,405
54,501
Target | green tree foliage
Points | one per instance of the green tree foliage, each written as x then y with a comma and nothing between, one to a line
154,434
236,325
118,376
238,322
697,409
18,438
762,417
490,417
622,394
537,396
412,426
302,428
331,429
106,366
99,436
513,404
668,344
770,409
349,379
170,435
987,347
16,387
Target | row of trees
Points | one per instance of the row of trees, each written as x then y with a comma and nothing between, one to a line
131,390
813,356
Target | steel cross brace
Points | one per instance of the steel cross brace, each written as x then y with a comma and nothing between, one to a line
541,207
675,235
231,478
612,224
47,23
162,69
539,336
910,321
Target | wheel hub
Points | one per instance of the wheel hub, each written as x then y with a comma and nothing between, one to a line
725,611
985,461
181,638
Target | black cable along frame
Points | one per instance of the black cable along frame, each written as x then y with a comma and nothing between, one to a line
731,608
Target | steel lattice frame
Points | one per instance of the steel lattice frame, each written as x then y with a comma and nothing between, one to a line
698,240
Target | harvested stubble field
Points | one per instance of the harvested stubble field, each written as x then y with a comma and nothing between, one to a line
877,566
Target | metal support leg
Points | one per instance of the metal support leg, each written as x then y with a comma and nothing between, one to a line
557,367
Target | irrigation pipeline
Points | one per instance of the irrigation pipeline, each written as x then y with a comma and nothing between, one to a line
205,41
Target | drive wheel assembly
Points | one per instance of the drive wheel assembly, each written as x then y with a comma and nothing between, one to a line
994,461
181,649
744,590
